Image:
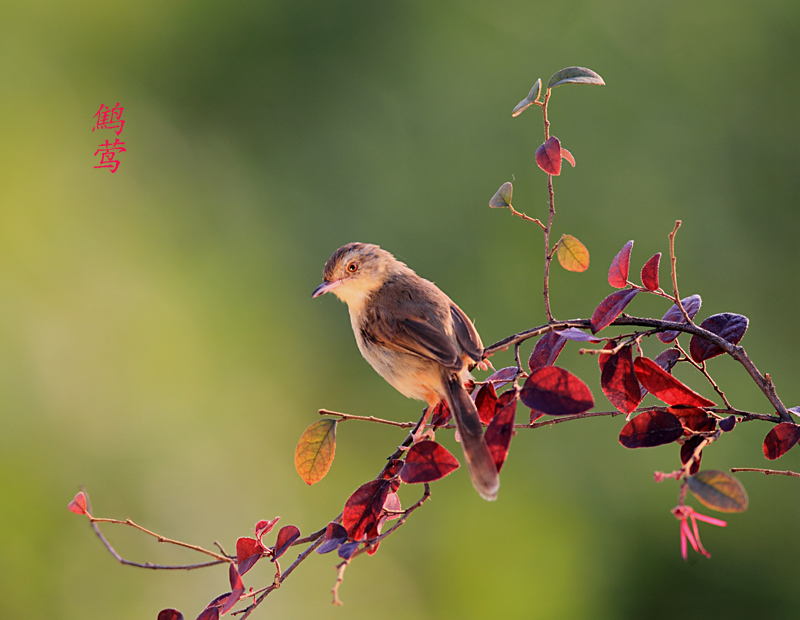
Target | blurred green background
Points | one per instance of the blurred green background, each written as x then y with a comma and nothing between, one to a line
158,342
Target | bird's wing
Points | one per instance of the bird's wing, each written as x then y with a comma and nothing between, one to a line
416,336
467,336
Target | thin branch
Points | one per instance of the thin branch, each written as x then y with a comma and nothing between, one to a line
367,418
768,472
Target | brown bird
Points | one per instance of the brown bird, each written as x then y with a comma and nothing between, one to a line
416,338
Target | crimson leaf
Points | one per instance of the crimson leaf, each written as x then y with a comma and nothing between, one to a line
556,391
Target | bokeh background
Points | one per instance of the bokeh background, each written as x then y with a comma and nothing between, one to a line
159,345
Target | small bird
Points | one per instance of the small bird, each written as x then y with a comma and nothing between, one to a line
416,338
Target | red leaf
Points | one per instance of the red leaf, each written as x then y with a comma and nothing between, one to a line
546,351
427,461
618,379
548,156
691,304
501,429
665,387
781,439
264,527
485,401
363,508
652,428
728,326
620,267
210,613
611,307
568,156
694,419
556,391
687,451
335,535
248,552
441,414
286,536
170,614
650,273
78,504
237,589
393,469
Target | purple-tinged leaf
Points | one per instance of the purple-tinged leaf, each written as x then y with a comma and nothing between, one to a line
286,536
611,307
363,508
335,535
691,304
347,550
728,326
667,359
503,376
687,452
727,424
577,335
546,351
548,156
170,614
248,552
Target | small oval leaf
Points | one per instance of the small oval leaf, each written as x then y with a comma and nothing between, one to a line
556,391
649,429
665,387
728,326
286,536
546,351
501,429
575,75
502,197
572,254
78,504
548,156
781,439
427,461
650,273
618,379
529,100
363,508
485,400
718,491
611,307
620,267
674,315
248,552
315,451
335,535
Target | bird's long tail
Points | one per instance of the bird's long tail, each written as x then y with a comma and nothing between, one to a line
479,459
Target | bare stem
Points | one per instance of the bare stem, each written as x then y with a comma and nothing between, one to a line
367,418
768,472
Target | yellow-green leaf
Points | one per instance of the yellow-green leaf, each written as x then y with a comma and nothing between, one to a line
315,450
718,490
502,197
572,254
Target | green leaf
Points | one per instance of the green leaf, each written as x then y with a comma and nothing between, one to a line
502,197
575,75
718,490
315,451
529,100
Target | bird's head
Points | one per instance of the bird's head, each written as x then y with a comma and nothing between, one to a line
355,271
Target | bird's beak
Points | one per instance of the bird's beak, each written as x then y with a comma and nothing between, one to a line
325,287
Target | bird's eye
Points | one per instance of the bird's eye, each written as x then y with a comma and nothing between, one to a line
352,267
